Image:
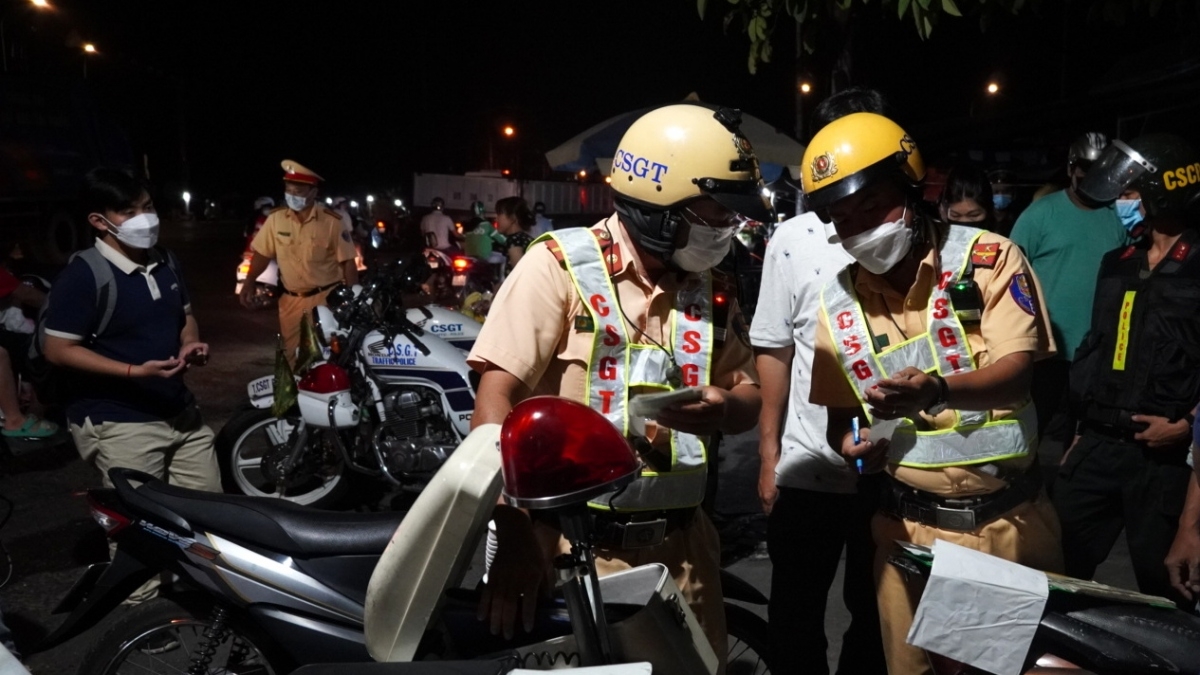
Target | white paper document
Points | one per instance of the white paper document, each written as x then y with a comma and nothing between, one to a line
979,609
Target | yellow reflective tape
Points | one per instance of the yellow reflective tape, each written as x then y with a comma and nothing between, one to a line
1122,348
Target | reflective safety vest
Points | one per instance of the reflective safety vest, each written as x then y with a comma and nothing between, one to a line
617,363
975,438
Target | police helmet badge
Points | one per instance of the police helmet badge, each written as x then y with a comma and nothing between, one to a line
823,166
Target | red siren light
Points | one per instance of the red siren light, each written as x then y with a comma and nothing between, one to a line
557,452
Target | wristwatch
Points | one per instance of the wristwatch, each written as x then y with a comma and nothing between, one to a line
939,403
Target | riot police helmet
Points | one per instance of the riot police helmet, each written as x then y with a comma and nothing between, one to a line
1085,150
1163,168
678,154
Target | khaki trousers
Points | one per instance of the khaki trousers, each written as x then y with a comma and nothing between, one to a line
178,450
692,556
291,311
1029,534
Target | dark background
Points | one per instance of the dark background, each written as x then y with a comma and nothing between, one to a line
213,95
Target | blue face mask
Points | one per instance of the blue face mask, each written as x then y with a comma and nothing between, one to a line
1130,212
1002,201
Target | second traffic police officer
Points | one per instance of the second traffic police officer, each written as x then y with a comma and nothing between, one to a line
683,177
314,252
1135,381
937,327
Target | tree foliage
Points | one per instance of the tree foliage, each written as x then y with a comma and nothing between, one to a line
759,19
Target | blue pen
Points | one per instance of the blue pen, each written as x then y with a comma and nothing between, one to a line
858,463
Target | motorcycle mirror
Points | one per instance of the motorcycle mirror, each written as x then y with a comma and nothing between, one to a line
556,452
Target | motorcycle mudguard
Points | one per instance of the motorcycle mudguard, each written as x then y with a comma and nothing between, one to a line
432,547
108,588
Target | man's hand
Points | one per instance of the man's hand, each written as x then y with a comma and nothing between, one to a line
700,418
165,368
1160,431
519,576
249,291
194,354
874,455
1183,562
905,394
768,491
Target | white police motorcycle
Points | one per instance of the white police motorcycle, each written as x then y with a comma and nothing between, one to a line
391,402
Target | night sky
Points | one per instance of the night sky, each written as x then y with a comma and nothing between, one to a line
368,92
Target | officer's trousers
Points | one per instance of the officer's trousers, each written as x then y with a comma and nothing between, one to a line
1106,484
291,311
1028,534
806,533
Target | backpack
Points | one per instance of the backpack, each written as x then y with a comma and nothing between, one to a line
47,379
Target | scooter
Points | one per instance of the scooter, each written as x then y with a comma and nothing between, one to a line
1090,633
265,585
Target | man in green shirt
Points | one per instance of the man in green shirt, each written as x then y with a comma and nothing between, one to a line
1064,239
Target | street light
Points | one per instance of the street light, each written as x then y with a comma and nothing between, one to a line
993,88
509,131
40,4
583,173
89,48
398,203
329,201
370,199
353,204
805,87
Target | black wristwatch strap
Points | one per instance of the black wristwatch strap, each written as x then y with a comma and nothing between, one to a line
943,396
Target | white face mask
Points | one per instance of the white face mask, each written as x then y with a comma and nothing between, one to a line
881,248
705,248
295,202
140,231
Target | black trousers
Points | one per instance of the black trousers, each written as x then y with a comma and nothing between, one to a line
1050,398
806,533
1107,484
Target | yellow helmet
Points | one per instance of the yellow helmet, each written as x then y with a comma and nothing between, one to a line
677,153
855,151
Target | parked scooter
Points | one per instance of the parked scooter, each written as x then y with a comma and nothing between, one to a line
1085,633
391,402
265,585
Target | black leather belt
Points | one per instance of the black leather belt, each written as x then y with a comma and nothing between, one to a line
1111,431
310,293
965,514
638,530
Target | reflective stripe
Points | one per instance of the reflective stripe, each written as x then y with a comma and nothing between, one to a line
975,438
1122,349
615,365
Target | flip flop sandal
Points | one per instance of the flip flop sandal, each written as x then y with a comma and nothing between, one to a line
34,427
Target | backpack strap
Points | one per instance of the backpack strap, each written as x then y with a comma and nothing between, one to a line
106,287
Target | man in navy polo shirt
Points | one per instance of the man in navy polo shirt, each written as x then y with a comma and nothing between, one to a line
127,404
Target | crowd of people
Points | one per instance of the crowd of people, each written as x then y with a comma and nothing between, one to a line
904,360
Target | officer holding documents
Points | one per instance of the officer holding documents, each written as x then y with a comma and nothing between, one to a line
928,339
636,288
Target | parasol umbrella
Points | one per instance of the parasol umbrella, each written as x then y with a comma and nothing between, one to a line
595,147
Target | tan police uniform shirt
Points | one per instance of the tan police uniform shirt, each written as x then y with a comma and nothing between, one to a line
1010,324
310,253
530,329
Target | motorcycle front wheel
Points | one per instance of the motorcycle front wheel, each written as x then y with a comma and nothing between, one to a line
163,637
250,451
749,648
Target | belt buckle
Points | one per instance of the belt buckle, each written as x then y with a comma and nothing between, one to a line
962,520
644,534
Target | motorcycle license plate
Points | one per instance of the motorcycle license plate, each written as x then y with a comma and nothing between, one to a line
459,280
263,387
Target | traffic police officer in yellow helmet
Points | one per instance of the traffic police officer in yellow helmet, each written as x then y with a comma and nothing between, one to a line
928,339
629,306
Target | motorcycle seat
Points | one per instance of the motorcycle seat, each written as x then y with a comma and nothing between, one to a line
275,524
1170,633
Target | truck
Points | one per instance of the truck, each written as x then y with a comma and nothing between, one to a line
50,136
560,198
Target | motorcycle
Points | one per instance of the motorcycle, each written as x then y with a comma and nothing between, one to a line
391,402
265,585
462,282
268,282
1102,633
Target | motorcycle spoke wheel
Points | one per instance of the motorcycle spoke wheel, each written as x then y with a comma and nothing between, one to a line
748,645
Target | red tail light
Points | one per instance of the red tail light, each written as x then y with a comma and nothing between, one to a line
325,379
380,225
461,264
556,452
719,299
112,521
